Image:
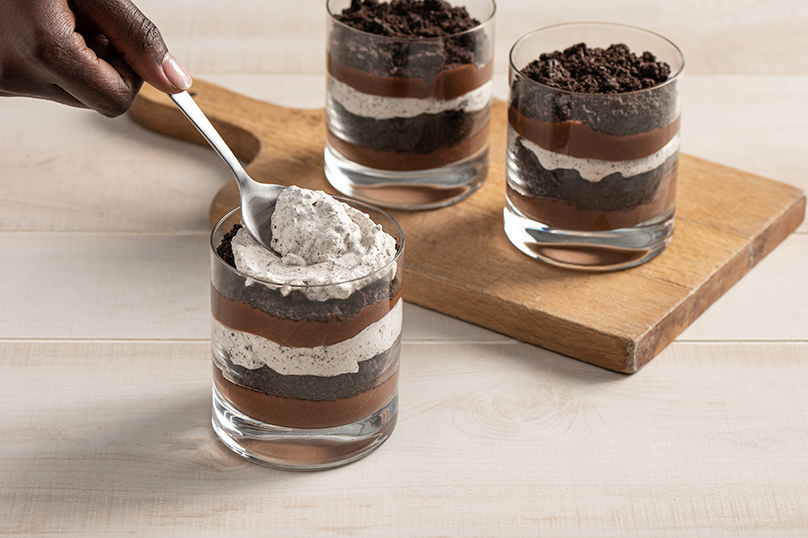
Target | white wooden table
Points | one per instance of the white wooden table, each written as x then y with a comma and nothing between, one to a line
104,352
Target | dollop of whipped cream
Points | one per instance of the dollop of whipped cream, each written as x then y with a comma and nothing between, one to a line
327,248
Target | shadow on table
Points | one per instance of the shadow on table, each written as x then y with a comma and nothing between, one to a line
110,457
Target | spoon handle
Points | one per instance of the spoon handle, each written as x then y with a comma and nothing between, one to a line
189,107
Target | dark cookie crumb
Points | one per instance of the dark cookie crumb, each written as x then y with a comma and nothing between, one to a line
225,249
581,69
614,192
407,18
597,87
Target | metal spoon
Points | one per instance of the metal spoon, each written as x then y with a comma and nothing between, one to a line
257,199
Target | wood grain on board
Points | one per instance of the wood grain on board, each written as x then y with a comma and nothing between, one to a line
458,260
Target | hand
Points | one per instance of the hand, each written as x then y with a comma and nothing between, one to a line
85,53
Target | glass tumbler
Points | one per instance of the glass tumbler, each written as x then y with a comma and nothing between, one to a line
408,118
591,178
303,380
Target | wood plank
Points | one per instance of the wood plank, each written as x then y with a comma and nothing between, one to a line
149,286
770,303
89,173
135,286
255,36
87,285
767,139
113,438
460,263
63,168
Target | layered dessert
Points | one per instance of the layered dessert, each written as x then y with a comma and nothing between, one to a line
307,335
409,85
593,139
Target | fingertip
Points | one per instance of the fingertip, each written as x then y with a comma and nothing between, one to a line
175,73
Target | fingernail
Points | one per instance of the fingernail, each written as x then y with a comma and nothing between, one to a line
178,76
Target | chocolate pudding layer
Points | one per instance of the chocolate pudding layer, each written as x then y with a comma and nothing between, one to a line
409,84
301,332
302,413
593,139
450,83
578,139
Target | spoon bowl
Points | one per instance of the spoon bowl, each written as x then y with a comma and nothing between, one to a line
257,199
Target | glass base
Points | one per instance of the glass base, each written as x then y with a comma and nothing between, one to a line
608,250
417,189
298,449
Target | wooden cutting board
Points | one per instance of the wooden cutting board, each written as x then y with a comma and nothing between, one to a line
458,260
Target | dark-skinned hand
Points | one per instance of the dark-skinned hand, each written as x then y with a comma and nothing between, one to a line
86,53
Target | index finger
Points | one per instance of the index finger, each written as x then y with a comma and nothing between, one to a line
138,40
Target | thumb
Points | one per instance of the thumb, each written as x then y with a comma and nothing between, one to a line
137,40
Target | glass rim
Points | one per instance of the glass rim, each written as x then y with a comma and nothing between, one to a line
436,39
528,35
349,201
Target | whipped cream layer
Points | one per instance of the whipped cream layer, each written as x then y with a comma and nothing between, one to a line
385,108
252,351
327,249
595,170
